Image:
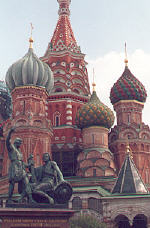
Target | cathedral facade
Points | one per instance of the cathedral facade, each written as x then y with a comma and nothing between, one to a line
49,102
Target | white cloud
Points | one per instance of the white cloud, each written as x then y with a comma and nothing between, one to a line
108,69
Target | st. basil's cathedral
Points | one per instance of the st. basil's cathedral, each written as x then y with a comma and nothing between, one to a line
49,102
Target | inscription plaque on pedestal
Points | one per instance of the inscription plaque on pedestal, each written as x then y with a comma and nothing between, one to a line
35,218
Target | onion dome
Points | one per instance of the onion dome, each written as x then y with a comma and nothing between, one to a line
128,87
94,113
30,70
5,101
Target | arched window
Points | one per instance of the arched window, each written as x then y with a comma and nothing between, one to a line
58,90
93,138
76,203
95,204
129,118
56,119
140,221
121,221
76,91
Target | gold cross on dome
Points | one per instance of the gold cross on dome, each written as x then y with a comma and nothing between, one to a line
126,59
31,28
31,39
93,84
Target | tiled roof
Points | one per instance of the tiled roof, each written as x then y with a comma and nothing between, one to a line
129,180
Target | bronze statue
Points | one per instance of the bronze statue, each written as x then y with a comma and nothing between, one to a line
50,186
46,183
17,172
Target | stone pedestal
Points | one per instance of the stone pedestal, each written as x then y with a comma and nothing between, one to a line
35,217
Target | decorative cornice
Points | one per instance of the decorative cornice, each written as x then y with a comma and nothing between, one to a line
29,87
128,101
97,127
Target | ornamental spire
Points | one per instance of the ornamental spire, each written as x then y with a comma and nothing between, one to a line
63,38
64,7
129,151
93,84
31,39
126,59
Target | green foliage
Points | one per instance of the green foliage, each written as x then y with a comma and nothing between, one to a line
86,221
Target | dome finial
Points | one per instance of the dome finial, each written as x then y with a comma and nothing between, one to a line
31,39
64,7
126,59
128,150
93,84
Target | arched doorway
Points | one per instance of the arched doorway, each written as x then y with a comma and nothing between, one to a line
121,221
140,221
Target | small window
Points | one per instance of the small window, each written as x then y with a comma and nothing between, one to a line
129,118
58,90
95,204
94,172
76,91
56,119
76,203
93,138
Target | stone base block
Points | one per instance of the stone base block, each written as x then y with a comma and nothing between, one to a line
35,218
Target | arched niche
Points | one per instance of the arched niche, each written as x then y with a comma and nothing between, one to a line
77,203
140,221
95,204
122,221
58,90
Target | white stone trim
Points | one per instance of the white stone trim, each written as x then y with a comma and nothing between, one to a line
68,112
69,118
69,106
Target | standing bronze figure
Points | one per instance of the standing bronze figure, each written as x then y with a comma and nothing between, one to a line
17,172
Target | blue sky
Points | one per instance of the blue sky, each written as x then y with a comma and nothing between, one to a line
101,28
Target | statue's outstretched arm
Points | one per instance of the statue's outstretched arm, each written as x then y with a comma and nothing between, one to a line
8,143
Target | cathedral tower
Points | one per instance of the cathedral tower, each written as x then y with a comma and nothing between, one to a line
128,96
95,119
30,81
71,90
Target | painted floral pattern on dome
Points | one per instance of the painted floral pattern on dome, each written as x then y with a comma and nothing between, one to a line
94,113
128,87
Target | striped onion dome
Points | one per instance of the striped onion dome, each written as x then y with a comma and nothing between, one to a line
94,113
30,70
127,87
